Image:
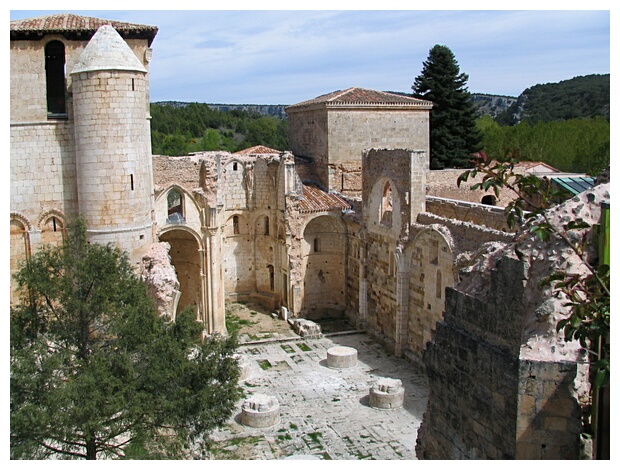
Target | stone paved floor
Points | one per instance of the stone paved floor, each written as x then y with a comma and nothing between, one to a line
324,412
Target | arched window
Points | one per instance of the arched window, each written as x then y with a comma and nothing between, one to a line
52,232
235,167
317,245
55,78
489,200
235,224
175,207
386,205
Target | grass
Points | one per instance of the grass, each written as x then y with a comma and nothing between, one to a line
287,348
264,364
304,347
220,452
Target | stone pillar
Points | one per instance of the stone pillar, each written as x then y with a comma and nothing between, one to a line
419,170
402,303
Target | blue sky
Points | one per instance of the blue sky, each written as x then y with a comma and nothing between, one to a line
284,57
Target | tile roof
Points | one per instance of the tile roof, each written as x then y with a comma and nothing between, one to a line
76,27
363,97
316,200
258,150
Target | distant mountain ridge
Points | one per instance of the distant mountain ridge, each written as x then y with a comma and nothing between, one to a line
276,110
585,96
579,97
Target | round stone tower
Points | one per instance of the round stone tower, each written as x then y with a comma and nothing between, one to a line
113,144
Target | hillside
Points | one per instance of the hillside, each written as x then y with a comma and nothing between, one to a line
580,97
491,105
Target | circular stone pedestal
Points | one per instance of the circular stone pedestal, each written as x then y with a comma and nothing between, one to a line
341,357
387,394
260,411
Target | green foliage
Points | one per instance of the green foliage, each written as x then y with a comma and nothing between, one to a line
96,372
575,145
179,130
577,98
453,134
586,295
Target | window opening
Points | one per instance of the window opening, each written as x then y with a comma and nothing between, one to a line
438,286
266,225
133,84
235,166
386,205
317,245
175,207
131,178
489,200
236,225
55,79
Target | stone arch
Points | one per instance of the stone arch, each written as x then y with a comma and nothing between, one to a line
236,224
175,203
324,276
430,257
186,255
262,225
176,206
19,249
53,227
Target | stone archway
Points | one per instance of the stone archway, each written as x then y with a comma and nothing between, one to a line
186,256
324,275
19,252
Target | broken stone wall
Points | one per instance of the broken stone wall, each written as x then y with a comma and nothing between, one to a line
503,382
442,183
430,261
181,171
479,214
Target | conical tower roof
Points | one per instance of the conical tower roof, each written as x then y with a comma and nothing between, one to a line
107,50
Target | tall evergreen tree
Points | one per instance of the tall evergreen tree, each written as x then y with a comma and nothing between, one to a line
453,134
96,372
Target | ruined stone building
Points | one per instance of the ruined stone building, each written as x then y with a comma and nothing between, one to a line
341,225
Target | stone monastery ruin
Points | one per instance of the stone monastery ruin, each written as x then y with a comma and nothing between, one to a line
340,225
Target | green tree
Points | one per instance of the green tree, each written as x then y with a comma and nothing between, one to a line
96,372
453,134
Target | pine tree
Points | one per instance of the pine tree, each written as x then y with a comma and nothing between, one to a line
453,134
96,372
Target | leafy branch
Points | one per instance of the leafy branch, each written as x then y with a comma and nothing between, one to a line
587,295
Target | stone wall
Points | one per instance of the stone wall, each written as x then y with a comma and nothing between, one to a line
28,82
479,214
43,170
503,383
442,183
181,171
431,269
336,138
308,137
